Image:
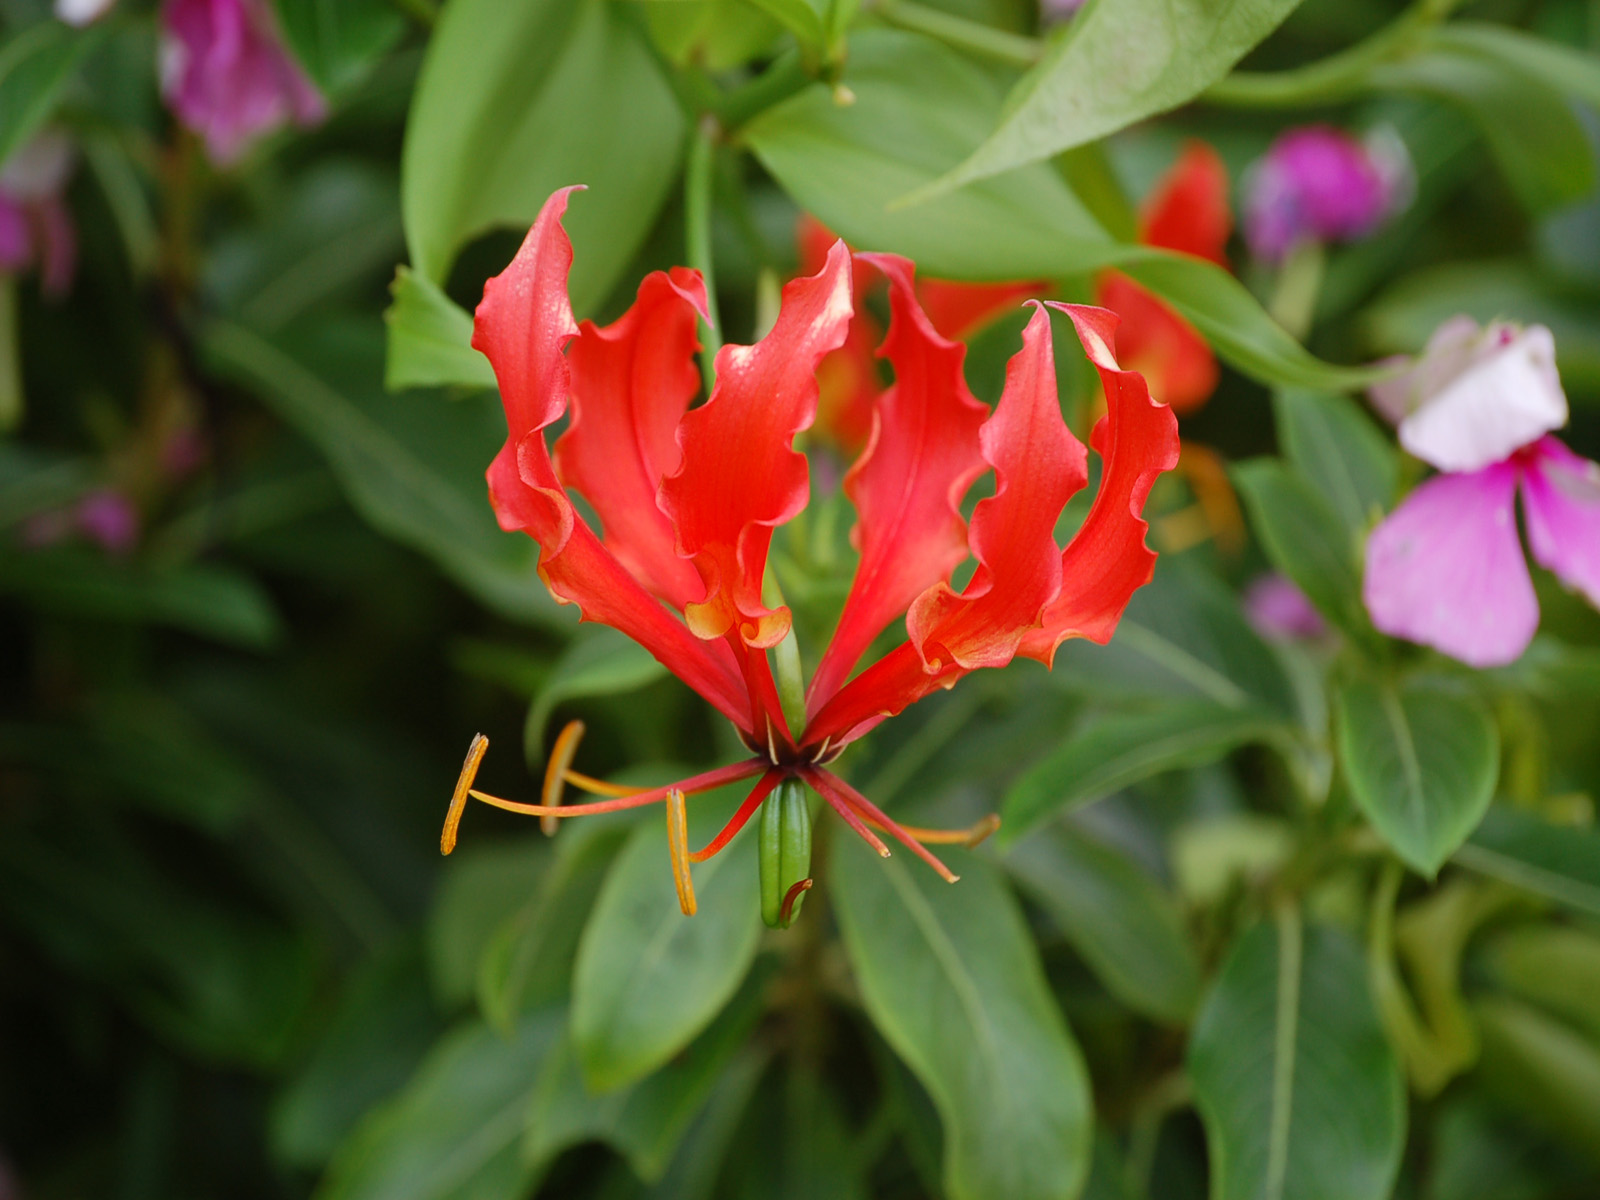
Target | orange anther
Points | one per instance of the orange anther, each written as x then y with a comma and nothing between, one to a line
678,846
458,800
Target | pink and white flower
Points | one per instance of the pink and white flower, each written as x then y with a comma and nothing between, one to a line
1446,568
36,227
228,76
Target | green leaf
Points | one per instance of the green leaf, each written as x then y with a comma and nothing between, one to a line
600,663
646,1121
213,601
454,1133
480,887
1421,758
920,107
648,978
1183,635
411,466
1112,751
1541,1068
506,111
1556,861
430,338
1542,148
339,41
1124,924
1301,1095
917,106
1566,68
705,1145
1116,64
1304,538
1339,451
950,977
381,1028
528,962
803,18
35,67
1555,966
714,34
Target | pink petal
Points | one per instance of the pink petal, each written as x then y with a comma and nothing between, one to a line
1446,569
1561,503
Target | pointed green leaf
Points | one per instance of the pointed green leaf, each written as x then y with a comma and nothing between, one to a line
1301,1095
453,1133
1421,758
1304,538
506,111
919,108
951,979
646,1120
1556,861
1115,750
430,338
339,41
1124,924
648,978
1339,450
1116,64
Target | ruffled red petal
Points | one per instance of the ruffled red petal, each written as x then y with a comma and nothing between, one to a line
1108,560
523,325
907,485
632,381
740,475
1038,466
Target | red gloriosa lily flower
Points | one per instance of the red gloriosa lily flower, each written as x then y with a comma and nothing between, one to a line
1188,212
688,498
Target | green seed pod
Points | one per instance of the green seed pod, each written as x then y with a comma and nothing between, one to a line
785,851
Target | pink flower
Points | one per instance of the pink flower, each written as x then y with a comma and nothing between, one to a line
1277,608
1318,184
35,226
1475,395
109,519
1446,568
227,76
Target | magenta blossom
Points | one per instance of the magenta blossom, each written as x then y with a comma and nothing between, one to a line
1446,568
1279,609
1318,184
35,225
227,75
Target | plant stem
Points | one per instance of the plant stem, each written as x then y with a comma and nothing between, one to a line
1331,79
1294,302
971,36
697,215
424,12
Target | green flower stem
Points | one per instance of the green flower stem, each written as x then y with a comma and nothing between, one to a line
786,669
962,34
1294,302
1335,78
786,76
697,209
10,358
424,12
